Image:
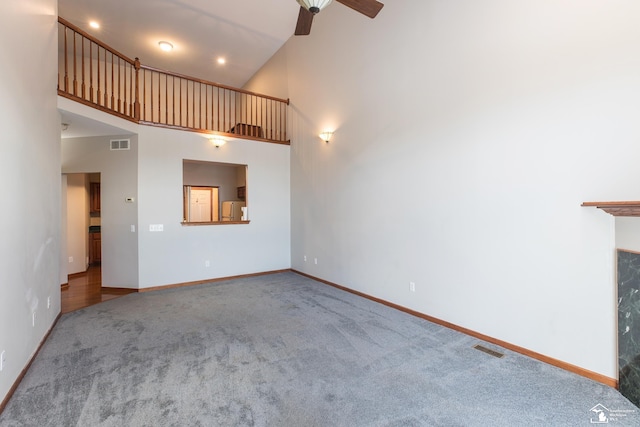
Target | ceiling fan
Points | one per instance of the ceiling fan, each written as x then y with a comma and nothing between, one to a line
308,8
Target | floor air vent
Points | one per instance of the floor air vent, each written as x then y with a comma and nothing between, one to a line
488,351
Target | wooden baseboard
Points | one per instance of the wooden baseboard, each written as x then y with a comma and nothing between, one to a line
74,275
200,282
18,380
116,290
611,382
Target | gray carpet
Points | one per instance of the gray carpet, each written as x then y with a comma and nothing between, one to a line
284,350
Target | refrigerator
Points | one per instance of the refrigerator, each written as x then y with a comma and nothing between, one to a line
232,210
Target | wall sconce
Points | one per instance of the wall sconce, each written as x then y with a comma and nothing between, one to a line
326,136
216,140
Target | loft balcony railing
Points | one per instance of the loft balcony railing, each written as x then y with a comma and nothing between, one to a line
97,75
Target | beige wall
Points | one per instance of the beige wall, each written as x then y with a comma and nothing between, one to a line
118,181
31,190
467,134
77,214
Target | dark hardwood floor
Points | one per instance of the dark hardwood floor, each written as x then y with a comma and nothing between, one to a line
86,289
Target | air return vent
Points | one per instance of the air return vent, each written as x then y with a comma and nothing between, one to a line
119,144
488,351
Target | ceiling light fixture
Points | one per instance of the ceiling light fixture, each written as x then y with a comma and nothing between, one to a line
326,136
166,46
314,6
216,140
94,24
222,61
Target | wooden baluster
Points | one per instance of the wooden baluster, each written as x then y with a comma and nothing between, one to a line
144,96
173,100
250,115
83,71
151,89
136,104
166,94
66,62
274,121
268,118
240,108
119,90
284,129
91,71
200,107
193,103
129,105
113,74
99,93
231,117
263,116
180,100
245,114
206,105
186,104
75,55
106,89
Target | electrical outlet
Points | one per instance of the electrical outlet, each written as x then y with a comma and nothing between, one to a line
3,360
315,260
207,263
33,319
305,258
48,302
70,259
412,286
133,228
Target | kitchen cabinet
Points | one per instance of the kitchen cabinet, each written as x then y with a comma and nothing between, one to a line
95,248
94,197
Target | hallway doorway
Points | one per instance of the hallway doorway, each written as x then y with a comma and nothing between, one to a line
85,289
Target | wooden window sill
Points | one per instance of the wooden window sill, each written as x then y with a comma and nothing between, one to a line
214,223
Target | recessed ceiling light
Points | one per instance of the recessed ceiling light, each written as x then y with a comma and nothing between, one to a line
94,24
222,61
166,46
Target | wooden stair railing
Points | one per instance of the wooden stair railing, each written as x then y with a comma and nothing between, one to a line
92,73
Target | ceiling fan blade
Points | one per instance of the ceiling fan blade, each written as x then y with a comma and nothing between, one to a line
369,8
305,19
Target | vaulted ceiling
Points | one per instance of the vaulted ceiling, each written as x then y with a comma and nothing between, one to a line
244,32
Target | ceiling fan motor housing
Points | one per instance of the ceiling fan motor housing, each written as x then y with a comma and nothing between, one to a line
314,6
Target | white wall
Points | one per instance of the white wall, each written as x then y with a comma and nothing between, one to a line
77,213
64,260
178,254
627,233
30,172
118,181
467,135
